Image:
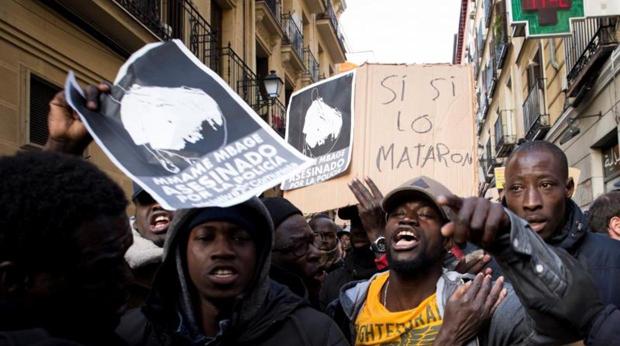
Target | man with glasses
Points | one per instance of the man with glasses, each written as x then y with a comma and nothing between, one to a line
325,230
295,259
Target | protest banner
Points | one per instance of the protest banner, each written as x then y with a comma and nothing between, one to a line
319,123
410,120
180,132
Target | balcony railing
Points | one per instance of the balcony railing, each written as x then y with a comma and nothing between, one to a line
591,42
331,15
239,76
312,66
177,19
535,120
490,77
500,36
273,112
293,35
505,137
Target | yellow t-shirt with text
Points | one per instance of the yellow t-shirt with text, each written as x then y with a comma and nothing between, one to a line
376,325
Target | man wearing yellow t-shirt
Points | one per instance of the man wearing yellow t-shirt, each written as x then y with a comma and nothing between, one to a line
416,302
375,324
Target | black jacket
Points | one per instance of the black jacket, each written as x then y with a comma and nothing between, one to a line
267,314
284,319
597,252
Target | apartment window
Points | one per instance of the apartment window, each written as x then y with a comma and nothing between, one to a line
534,71
41,92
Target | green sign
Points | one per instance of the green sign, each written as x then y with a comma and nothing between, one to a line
544,18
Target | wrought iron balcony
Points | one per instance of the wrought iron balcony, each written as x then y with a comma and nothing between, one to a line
177,19
535,119
505,138
490,77
500,36
312,66
293,36
239,76
331,15
273,112
587,49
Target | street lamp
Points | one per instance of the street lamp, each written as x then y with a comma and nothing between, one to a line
272,83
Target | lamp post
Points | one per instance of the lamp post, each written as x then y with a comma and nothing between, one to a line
272,83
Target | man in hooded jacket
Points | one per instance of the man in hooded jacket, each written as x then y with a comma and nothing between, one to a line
539,190
213,287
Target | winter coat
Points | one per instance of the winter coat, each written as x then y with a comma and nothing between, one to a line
597,252
144,258
605,329
267,314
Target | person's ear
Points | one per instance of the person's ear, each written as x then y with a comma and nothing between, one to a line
12,278
570,187
614,227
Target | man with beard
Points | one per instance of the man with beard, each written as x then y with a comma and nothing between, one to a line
67,134
295,260
63,234
409,303
539,190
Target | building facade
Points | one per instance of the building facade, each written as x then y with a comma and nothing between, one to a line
242,40
559,89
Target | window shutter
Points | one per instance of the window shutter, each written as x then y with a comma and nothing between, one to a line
41,93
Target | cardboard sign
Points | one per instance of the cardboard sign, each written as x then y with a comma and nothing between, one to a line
180,132
410,120
319,123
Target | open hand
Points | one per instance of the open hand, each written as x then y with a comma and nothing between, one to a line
369,207
469,308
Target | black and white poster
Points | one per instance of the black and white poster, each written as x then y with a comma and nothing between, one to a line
178,130
319,123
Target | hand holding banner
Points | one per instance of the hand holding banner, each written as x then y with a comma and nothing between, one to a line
179,131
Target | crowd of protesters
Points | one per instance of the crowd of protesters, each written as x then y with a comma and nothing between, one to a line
415,266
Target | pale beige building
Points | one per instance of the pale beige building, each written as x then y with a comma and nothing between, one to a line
242,40
559,89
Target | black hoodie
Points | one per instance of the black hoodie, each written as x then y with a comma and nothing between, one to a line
268,314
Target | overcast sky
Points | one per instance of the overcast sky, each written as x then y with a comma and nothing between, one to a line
400,31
